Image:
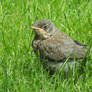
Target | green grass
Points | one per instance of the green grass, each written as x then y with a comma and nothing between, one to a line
20,69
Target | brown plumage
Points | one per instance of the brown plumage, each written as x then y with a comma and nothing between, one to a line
55,46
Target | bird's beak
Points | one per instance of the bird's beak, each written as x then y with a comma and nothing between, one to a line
35,28
32,27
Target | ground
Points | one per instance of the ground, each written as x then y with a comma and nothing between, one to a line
20,69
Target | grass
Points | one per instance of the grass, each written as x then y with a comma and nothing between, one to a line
20,69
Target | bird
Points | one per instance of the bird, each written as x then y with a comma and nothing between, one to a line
55,47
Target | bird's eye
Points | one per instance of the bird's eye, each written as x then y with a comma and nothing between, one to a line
44,27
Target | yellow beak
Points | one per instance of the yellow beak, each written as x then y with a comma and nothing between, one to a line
36,28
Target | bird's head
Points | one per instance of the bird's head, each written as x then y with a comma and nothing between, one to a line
44,24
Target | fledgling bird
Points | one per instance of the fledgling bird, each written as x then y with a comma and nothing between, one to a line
55,46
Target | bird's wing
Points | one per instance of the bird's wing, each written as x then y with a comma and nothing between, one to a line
63,36
55,49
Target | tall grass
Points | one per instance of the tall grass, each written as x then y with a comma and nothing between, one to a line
20,69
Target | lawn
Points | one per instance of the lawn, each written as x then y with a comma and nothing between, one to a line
20,69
